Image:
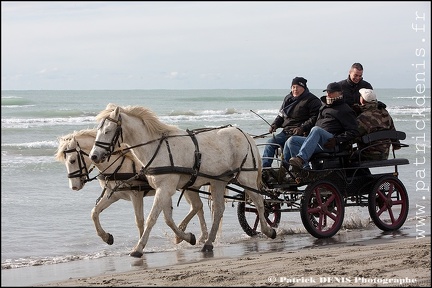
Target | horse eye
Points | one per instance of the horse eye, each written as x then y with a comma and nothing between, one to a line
72,161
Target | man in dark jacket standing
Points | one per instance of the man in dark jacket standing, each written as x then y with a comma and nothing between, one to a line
296,116
352,85
336,125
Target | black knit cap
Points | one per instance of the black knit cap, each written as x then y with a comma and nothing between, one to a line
333,87
299,81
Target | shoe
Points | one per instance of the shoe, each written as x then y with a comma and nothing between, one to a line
296,162
285,164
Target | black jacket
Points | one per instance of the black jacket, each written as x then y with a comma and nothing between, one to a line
351,92
303,113
339,119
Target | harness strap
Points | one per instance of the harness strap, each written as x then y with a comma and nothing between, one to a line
197,165
182,170
197,162
81,162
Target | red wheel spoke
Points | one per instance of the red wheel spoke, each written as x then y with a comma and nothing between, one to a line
330,200
250,209
255,226
390,191
333,216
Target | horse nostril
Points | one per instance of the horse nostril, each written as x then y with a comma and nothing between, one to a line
93,157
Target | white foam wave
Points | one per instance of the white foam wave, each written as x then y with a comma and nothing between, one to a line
33,145
39,122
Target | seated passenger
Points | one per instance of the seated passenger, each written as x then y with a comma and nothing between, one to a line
297,115
372,117
336,124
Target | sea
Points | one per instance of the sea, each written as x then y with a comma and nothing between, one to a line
47,233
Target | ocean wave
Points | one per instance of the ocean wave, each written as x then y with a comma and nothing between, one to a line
39,122
13,101
38,261
228,111
33,145
408,110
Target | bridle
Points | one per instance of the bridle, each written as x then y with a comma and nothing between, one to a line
118,134
82,168
83,171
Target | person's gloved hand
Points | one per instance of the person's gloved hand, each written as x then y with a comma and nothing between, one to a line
297,131
330,144
272,128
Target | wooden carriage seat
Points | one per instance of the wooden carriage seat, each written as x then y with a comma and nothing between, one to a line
350,156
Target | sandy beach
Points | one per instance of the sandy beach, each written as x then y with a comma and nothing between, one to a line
400,261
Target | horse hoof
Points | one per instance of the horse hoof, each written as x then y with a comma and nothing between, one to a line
110,240
136,254
207,248
273,236
192,239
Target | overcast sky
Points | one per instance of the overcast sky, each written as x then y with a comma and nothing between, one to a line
211,45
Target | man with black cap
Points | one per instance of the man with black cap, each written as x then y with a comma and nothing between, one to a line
336,125
296,116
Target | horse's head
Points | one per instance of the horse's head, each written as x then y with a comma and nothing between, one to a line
108,133
77,164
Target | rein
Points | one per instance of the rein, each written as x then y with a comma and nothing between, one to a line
193,172
84,171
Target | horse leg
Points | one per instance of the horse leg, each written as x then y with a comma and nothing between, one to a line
180,234
151,220
103,203
137,199
194,200
259,204
218,207
162,202
219,234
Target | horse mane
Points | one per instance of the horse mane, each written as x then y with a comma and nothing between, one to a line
65,140
148,117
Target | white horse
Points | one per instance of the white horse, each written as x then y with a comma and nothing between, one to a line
73,150
176,159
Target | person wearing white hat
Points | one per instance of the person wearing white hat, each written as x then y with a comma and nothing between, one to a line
372,117
367,95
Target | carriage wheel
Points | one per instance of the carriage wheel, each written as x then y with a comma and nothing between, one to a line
248,216
388,203
322,209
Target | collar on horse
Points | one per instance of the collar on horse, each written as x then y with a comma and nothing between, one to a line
193,172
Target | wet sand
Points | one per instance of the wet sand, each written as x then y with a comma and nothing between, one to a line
376,262
353,258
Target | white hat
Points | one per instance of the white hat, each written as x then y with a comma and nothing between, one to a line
368,94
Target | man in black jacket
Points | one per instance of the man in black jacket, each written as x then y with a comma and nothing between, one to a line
336,125
296,116
352,85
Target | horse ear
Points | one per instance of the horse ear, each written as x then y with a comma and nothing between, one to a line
116,112
110,106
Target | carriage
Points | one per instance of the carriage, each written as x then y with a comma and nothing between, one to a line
174,159
335,181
